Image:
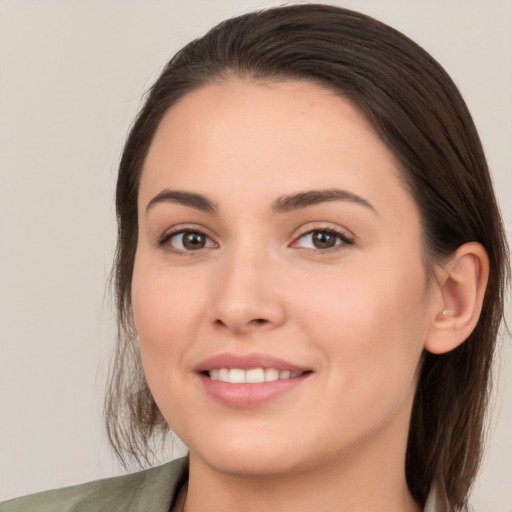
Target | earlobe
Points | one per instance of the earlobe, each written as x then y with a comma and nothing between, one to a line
462,288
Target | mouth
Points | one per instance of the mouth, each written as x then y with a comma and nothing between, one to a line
252,375
250,380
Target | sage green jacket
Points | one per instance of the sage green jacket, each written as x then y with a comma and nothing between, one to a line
153,490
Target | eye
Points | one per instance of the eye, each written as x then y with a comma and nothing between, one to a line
186,241
322,239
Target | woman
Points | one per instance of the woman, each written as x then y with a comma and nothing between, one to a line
311,257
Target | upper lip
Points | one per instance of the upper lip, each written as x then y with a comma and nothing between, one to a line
246,362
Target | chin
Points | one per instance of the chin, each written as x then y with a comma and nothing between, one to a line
250,464
255,456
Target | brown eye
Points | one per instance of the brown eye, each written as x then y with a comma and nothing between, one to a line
193,241
322,239
189,241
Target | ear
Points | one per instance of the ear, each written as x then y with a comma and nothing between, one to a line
462,281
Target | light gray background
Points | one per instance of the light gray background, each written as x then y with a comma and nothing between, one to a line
72,75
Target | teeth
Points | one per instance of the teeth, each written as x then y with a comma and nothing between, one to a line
252,376
236,376
271,374
255,375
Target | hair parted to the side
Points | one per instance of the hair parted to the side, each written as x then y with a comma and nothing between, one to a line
418,112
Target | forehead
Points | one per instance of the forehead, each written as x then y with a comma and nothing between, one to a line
263,139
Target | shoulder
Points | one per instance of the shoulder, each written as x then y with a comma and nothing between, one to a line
152,490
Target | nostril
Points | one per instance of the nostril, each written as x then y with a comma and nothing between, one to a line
237,325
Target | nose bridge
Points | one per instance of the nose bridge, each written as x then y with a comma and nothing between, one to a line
246,294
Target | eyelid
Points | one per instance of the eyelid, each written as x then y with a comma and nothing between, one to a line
170,233
345,236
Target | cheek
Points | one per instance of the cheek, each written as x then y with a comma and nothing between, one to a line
166,317
166,313
373,345
370,324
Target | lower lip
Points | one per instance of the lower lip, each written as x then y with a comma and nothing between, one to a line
249,395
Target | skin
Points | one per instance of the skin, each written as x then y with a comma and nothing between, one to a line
357,315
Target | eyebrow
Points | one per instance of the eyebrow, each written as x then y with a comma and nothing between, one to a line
293,202
283,204
191,199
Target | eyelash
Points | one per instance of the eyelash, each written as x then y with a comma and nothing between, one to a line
342,240
165,239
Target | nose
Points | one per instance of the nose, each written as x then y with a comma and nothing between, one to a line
247,296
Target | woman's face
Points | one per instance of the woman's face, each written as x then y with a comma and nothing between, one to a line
276,241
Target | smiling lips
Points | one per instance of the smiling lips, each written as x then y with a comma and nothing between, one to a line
249,380
252,376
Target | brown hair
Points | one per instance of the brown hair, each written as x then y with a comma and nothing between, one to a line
418,112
